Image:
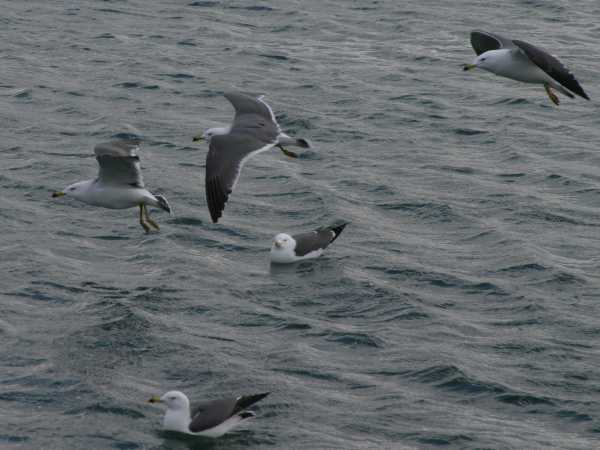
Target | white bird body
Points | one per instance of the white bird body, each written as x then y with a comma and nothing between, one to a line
512,64
110,196
177,417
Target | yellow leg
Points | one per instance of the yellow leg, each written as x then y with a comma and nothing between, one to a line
551,94
287,152
149,220
142,223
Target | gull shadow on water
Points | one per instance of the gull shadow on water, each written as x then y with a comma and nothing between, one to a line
173,440
112,237
304,268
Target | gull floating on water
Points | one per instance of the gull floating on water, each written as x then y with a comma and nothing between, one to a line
119,184
289,249
210,419
521,61
254,130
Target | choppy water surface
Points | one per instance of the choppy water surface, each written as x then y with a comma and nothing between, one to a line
458,310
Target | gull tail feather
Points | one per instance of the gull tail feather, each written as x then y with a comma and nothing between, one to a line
163,203
284,139
246,415
247,400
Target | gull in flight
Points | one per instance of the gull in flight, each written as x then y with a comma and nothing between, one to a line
119,183
254,130
521,61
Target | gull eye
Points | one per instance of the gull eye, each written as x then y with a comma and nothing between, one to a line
72,189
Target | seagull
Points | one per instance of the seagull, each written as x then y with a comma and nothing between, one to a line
521,61
119,184
210,419
254,130
289,249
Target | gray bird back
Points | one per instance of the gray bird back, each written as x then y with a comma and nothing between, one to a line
318,239
313,240
208,415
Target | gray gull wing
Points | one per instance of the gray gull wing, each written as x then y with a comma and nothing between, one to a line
224,160
552,67
253,116
316,240
483,41
119,163
208,415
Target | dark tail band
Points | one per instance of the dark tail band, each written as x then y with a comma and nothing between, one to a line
163,203
248,400
302,143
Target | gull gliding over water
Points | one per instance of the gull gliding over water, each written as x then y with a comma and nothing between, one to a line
119,184
521,61
254,130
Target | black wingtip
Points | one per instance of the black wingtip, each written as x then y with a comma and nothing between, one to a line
215,198
337,230
248,400
577,89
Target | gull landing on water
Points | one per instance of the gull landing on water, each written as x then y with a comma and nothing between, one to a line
119,184
521,61
289,249
254,130
209,419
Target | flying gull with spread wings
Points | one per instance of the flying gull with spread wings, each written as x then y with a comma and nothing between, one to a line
254,130
518,60
119,183
210,419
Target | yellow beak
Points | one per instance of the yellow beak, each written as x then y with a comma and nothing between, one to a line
469,66
58,194
154,399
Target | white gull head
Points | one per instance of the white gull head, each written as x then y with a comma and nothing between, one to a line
282,250
76,190
177,416
217,131
495,61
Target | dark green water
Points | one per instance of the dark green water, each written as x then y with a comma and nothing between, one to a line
459,309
